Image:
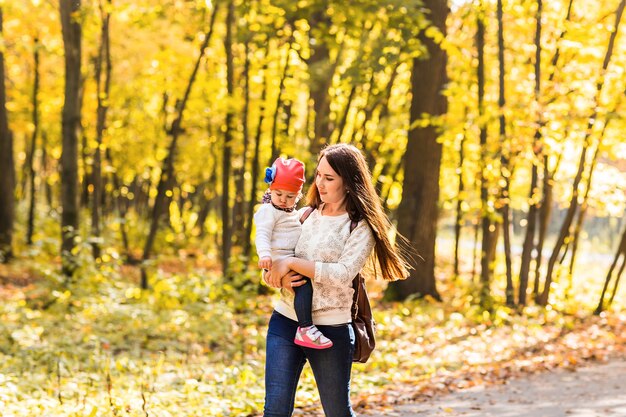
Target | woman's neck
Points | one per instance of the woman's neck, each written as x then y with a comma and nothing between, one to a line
335,209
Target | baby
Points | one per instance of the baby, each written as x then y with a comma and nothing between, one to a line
278,228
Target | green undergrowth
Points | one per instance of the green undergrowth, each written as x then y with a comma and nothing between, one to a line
193,344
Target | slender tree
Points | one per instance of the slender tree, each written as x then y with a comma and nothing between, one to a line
7,169
256,159
72,33
487,227
418,210
30,162
103,83
44,169
620,253
543,209
531,223
228,141
458,224
121,206
377,103
239,208
584,205
279,100
504,163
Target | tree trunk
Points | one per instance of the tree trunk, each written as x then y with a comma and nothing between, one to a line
486,215
373,154
504,165
458,224
544,213
381,101
279,98
121,205
30,228
321,72
621,252
418,210
394,175
72,32
239,209
531,223
565,227
87,170
337,133
321,102
584,205
166,180
344,118
255,161
359,131
44,169
103,88
7,169
475,253
544,208
228,138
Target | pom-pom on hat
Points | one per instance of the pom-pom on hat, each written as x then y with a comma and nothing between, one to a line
285,174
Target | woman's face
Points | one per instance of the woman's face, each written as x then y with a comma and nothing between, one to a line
329,183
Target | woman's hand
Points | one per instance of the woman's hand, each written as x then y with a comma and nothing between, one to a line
281,275
276,274
291,281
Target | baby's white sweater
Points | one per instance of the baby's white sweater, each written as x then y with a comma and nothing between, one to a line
277,232
339,255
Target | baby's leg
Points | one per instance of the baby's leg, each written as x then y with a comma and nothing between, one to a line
302,303
307,334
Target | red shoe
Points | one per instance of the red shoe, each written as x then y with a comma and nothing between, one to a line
312,338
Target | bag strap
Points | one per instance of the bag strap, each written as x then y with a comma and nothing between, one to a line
306,215
356,282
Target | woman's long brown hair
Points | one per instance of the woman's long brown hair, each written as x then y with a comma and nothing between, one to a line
363,203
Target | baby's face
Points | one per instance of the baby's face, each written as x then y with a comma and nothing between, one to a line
284,198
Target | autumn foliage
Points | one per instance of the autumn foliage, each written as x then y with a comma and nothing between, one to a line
133,135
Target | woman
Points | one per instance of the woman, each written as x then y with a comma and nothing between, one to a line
330,255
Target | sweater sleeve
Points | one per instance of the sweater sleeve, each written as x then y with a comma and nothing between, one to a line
356,250
264,221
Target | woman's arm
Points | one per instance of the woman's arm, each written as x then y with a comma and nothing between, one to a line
289,281
282,267
301,266
357,249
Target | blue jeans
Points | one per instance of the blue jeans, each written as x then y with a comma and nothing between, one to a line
285,360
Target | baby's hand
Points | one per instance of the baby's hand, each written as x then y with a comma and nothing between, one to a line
265,263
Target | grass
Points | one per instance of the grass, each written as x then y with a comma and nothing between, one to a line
194,343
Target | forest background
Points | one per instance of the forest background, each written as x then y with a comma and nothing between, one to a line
134,135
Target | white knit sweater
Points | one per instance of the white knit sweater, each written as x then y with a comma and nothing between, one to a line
339,255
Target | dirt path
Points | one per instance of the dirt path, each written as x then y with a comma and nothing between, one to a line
597,390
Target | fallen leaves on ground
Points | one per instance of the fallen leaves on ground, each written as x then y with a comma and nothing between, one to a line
194,344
